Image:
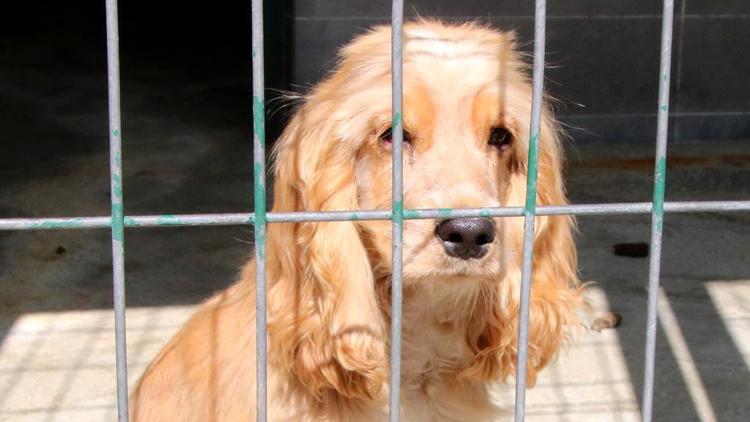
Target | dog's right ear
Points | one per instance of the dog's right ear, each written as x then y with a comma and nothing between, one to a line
324,325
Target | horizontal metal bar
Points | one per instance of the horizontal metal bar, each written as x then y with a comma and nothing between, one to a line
55,223
298,217
237,219
707,206
232,219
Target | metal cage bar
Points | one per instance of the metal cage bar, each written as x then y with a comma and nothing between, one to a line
657,211
236,219
530,208
259,184
397,204
117,212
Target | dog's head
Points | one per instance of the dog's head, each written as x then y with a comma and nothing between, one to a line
467,104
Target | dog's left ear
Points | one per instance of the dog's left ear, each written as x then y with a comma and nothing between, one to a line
325,323
555,290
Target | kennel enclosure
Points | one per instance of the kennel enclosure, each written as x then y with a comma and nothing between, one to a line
117,222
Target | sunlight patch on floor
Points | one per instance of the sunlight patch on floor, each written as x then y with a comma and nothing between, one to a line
60,366
732,301
589,381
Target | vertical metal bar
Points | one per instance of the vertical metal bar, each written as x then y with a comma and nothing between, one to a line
657,211
118,226
530,208
259,184
397,204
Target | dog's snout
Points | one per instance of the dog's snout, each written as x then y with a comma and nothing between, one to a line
466,237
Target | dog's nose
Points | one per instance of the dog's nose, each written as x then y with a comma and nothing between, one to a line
466,237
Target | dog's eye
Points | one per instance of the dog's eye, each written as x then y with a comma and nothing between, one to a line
500,138
387,137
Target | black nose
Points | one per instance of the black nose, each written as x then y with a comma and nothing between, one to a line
466,237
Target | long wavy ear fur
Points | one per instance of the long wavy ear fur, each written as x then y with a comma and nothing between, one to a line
555,290
324,321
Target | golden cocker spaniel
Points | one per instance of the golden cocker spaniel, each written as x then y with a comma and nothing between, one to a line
467,101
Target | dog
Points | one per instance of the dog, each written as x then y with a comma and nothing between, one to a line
467,105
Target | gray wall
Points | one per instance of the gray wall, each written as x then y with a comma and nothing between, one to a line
604,56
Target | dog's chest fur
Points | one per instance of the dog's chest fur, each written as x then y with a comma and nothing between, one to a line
434,355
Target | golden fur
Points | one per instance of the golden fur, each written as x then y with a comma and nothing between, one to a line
329,290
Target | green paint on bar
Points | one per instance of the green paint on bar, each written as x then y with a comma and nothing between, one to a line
70,224
532,176
398,212
659,190
259,119
660,181
260,196
117,222
396,121
663,107
659,223
260,243
444,212
412,214
484,213
660,184
117,212
260,210
259,128
129,221
168,220
117,185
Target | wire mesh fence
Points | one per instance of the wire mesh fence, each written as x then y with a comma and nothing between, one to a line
117,221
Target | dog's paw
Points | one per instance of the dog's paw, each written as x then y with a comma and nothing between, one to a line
360,351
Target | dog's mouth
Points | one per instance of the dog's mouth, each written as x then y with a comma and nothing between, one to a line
458,270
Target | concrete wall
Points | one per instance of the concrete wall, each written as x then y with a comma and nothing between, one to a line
604,56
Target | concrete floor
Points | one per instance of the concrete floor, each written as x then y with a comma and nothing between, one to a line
186,150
